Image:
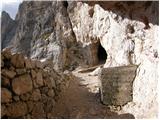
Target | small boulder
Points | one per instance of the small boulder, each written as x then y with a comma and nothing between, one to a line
19,58
36,95
21,71
39,79
25,97
51,93
22,84
8,73
38,111
17,109
6,95
5,81
7,53
28,64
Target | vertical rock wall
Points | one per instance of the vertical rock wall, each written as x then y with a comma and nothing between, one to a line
128,31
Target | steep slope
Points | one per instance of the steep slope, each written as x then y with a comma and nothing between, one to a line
8,27
44,31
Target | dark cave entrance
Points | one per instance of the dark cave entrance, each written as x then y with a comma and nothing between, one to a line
102,55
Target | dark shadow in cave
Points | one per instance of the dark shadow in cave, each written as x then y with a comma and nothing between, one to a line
102,55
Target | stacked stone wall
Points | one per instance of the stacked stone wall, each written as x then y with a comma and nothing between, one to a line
29,88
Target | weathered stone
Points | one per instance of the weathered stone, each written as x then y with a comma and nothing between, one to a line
36,95
28,116
8,73
28,64
47,82
5,81
25,97
19,58
22,84
44,98
113,91
16,98
33,73
30,106
6,95
39,64
39,79
44,90
38,111
7,53
2,64
21,71
49,105
17,109
51,93
3,110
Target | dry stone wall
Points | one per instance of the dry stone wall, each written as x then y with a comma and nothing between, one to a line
30,88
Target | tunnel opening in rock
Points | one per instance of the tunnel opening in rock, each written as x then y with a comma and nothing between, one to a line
102,55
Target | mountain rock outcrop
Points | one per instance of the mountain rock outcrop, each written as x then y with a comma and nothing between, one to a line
44,31
71,34
8,27
128,31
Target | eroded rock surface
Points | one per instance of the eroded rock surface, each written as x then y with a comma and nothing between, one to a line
128,31
67,34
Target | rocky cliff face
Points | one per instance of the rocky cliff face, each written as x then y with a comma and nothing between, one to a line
128,31
8,27
70,33
44,31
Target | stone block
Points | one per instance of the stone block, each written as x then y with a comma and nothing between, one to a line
6,95
116,84
22,84
17,109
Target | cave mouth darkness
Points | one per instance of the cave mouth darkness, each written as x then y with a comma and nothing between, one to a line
102,55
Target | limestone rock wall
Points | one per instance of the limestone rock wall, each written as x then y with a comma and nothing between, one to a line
29,88
67,34
44,31
128,31
8,27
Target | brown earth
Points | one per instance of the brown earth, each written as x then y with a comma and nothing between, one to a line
82,100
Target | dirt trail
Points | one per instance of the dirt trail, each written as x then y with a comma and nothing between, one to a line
81,100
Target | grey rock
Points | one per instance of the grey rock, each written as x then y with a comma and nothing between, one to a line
8,26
